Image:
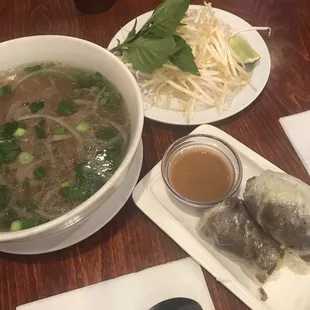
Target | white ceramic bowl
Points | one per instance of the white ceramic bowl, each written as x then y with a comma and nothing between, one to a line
91,56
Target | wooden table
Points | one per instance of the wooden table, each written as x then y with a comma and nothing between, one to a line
131,242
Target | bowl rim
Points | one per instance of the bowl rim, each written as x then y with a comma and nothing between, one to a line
76,215
192,203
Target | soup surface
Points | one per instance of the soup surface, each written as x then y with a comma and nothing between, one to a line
63,133
201,174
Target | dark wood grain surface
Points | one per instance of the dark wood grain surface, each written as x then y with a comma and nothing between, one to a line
131,242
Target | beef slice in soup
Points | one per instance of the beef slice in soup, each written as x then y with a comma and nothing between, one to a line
63,133
229,227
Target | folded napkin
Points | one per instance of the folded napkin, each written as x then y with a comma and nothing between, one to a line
136,291
297,128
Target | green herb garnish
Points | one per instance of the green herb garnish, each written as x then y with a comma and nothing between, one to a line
67,108
155,43
8,217
107,133
5,90
83,79
8,129
35,106
88,181
4,196
40,129
29,205
26,182
39,173
9,149
30,69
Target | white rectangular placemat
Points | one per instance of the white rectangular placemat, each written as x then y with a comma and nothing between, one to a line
136,291
297,129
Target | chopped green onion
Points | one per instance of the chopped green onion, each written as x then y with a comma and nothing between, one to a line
65,184
103,101
95,90
19,132
106,94
16,226
25,158
59,131
82,127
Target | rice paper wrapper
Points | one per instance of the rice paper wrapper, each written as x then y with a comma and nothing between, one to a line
229,227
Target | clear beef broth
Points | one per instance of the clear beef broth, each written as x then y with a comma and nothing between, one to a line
64,131
201,174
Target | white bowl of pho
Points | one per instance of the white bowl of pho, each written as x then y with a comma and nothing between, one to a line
70,123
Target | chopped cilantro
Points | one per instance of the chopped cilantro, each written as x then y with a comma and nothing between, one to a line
39,173
30,69
9,149
40,129
5,90
4,196
107,133
67,108
35,106
29,205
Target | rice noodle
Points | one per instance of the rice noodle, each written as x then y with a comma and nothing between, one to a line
60,138
96,101
82,102
55,119
50,151
24,78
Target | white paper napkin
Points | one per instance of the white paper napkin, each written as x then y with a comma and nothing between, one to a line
136,291
297,128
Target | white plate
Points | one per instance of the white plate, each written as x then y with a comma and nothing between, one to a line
240,101
98,219
286,289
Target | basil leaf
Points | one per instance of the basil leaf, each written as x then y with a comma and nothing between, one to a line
167,16
132,33
183,58
149,54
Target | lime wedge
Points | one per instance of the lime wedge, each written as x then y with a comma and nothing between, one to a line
243,50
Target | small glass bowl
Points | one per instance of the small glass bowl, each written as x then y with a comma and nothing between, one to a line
205,141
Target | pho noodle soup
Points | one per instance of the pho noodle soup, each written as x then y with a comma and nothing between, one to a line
63,133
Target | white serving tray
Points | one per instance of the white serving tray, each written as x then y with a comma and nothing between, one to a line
286,288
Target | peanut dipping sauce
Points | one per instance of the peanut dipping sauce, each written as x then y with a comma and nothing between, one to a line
201,174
